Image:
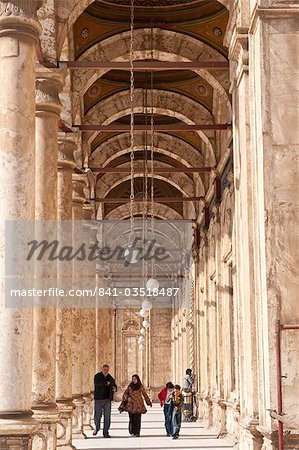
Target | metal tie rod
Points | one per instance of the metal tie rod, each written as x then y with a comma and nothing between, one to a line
143,65
157,199
158,127
156,169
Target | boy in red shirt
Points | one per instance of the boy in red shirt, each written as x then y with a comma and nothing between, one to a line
165,397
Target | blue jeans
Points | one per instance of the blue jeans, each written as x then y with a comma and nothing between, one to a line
168,417
100,406
176,423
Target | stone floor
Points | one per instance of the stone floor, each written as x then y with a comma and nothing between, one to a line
193,435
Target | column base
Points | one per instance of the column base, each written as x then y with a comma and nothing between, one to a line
46,435
16,431
77,422
270,441
87,412
64,425
250,437
219,416
207,411
232,420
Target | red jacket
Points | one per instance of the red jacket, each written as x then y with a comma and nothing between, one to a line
162,396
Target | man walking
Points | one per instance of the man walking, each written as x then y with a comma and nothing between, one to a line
104,388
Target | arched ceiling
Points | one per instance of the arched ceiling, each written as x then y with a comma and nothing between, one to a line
203,19
164,30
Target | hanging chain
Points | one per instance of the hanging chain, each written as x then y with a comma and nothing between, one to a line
132,120
152,148
145,195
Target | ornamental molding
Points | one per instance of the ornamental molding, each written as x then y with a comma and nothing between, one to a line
18,17
239,56
47,96
79,183
19,8
278,10
88,212
66,160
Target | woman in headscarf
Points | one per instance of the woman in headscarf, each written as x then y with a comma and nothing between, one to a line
134,397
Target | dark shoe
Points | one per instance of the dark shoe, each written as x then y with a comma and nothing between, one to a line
175,436
137,435
95,432
107,435
167,434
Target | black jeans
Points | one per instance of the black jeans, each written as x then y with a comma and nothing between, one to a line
134,423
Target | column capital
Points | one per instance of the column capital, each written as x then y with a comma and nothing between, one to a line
88,211
47,88
239,56
80,184
66,148
19,17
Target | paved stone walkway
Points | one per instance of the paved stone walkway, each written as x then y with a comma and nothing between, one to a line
193,435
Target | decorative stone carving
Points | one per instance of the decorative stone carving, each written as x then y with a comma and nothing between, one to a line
88,212
217,32
46,95
85,33
19,17
24,8
66,150
79,186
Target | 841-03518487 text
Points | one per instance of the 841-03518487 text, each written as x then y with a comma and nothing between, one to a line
139,292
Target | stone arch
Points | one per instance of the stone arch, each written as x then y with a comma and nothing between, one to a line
116,146
161,211
68,12
168,46
109,181
162,237
112,148
130,325
175,105
164,103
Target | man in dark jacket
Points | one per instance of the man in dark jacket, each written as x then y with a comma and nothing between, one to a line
104,388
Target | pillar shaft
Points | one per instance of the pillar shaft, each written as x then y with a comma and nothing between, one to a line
64,333
19,31
88,335
48,109
79,184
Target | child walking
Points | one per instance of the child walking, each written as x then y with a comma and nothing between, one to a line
178,401
165,397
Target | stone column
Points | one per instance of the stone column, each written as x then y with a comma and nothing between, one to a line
93,331
64,333
246,269
79,184
88,335
204,399
19,32
274,177
48,108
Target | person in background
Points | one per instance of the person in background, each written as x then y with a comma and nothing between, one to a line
187,390
134,397
188,381
166,401
178,400
104,388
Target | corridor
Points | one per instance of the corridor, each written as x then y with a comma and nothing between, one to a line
193,435
148,221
